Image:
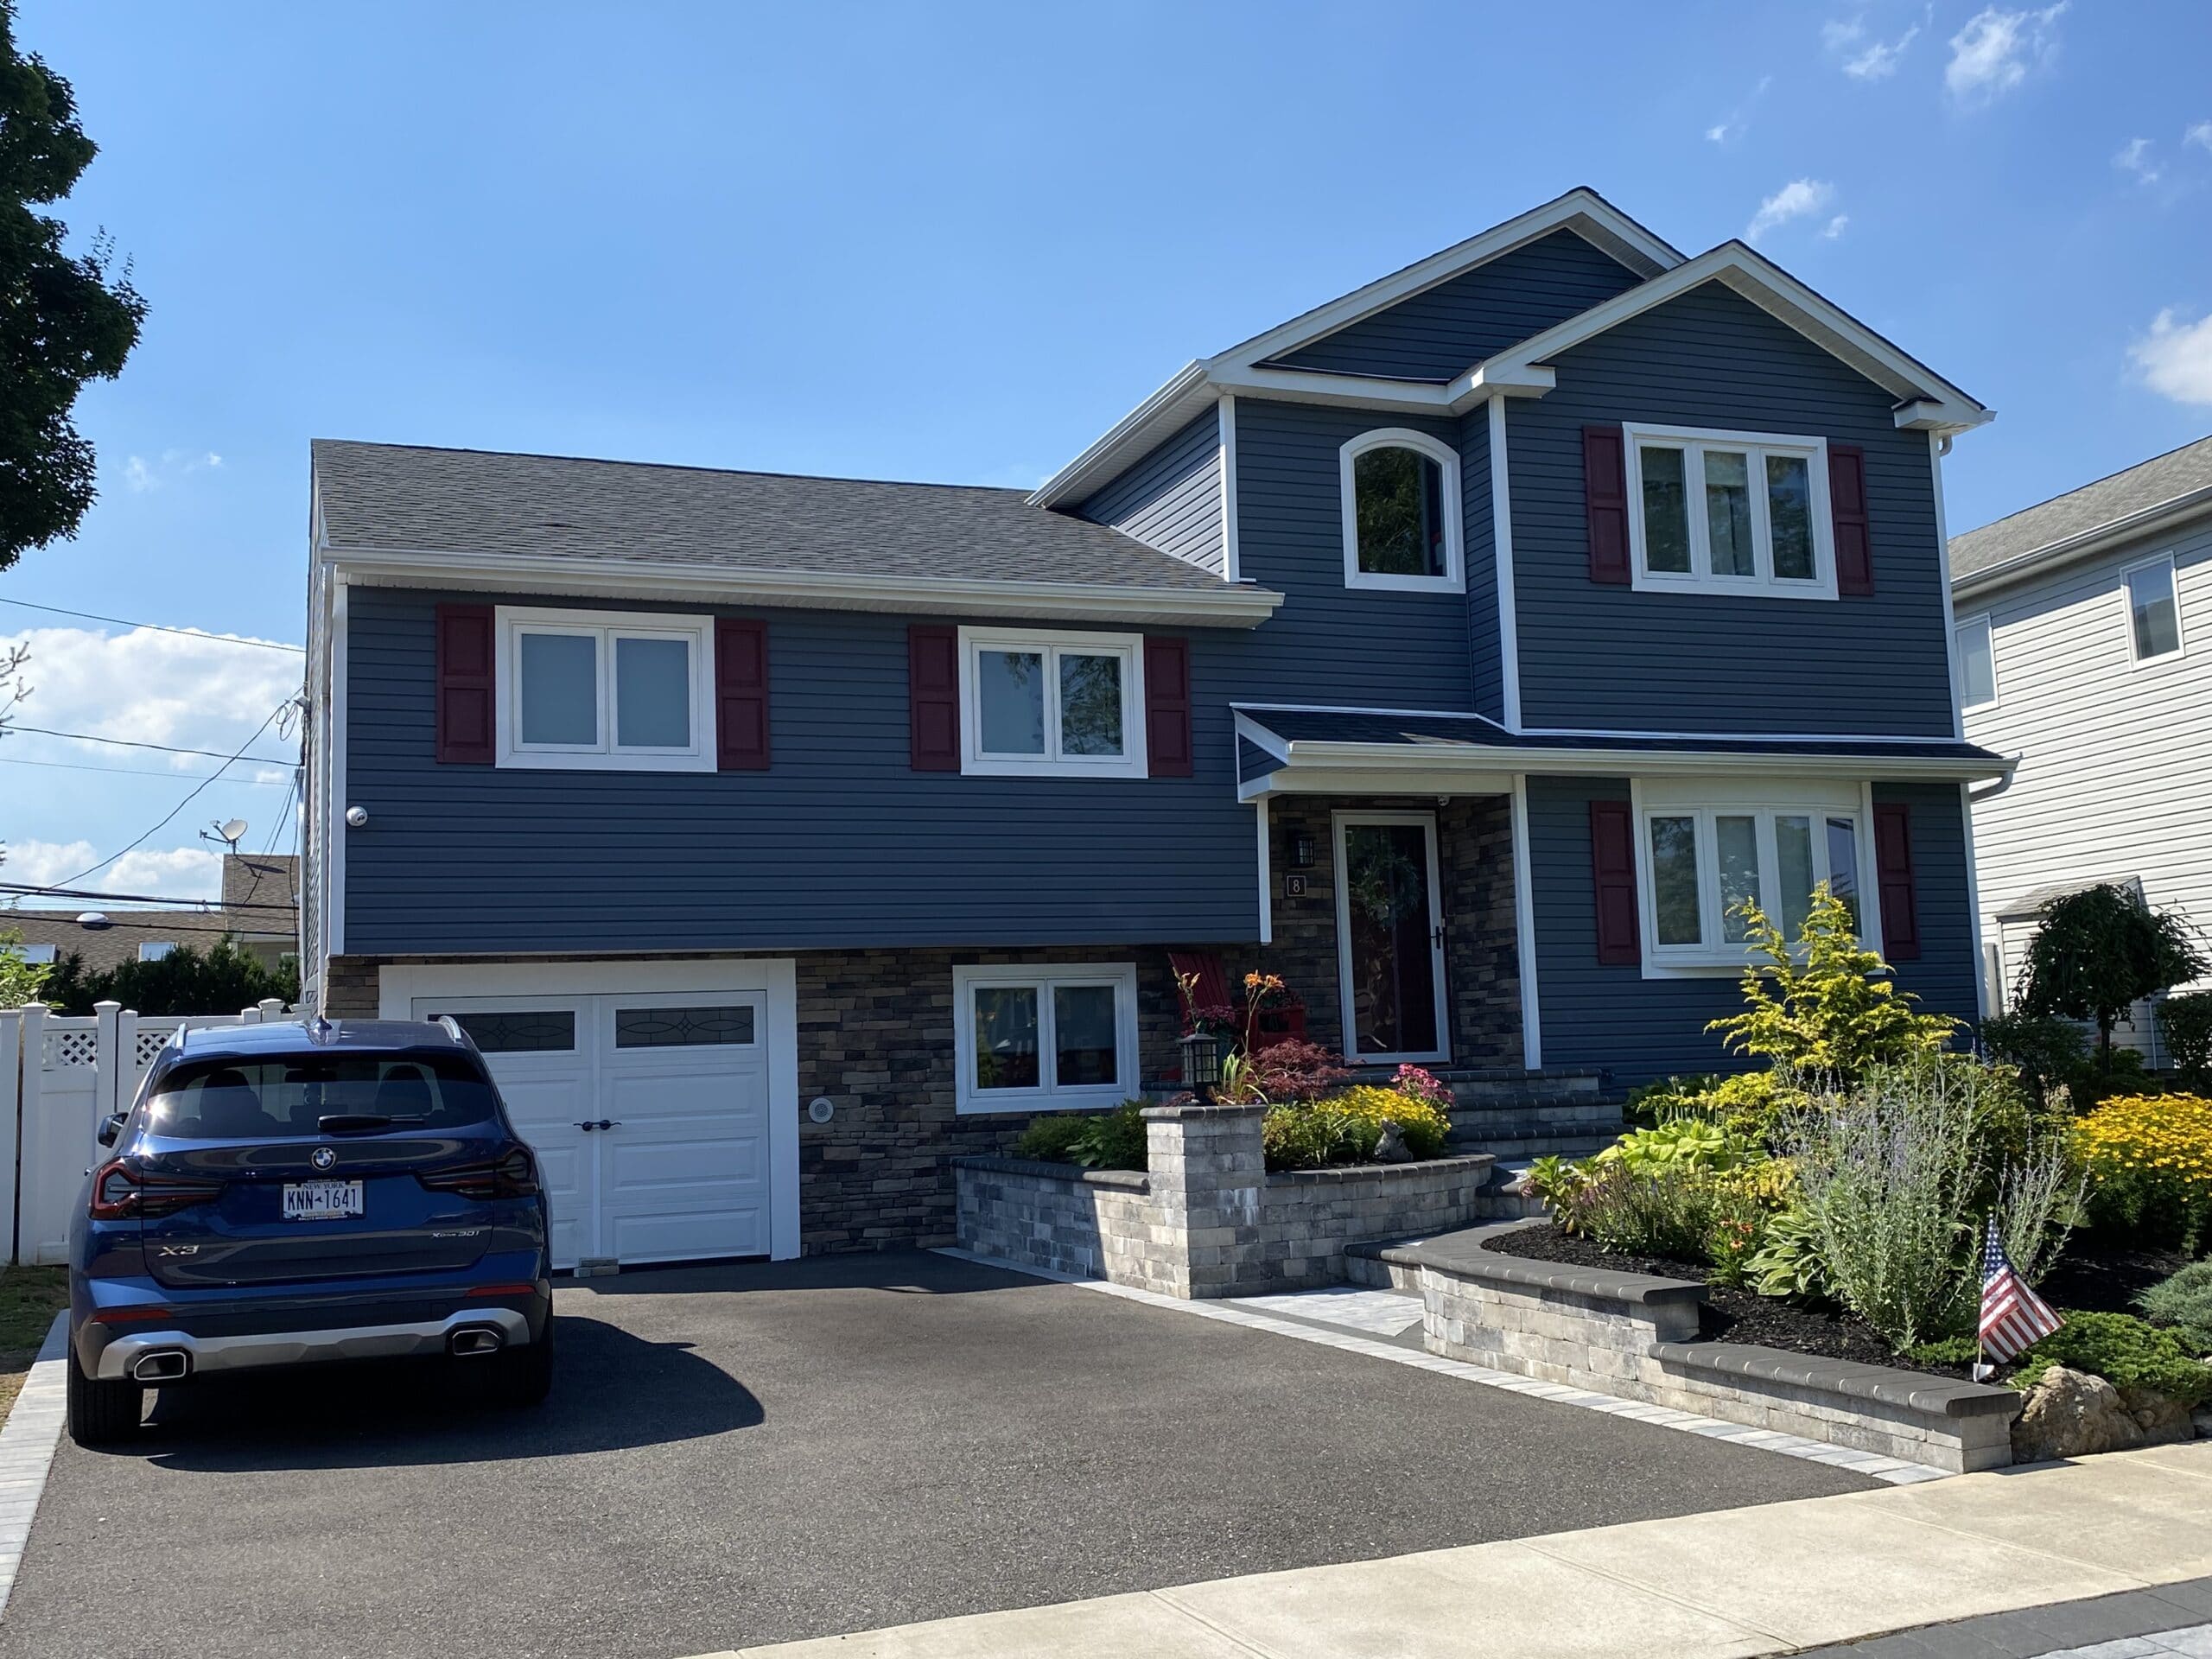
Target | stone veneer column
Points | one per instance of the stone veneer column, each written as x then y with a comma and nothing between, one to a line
1207,1170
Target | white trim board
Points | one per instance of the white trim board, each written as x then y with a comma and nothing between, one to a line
1339,822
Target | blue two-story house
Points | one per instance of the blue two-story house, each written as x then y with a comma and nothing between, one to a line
1460,651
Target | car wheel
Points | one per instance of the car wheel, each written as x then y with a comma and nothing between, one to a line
525,1373
102,1413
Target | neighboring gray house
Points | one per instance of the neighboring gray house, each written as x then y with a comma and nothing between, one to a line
1459,651
2085,648
259,909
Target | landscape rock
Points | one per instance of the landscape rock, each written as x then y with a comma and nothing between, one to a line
2070,1413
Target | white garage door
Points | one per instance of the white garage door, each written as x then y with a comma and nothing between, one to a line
649,1112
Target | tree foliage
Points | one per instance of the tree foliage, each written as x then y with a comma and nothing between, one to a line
221,980
20,980
2102,950
65,319
1827,1007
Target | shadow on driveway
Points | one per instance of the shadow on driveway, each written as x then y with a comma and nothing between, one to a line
611,1390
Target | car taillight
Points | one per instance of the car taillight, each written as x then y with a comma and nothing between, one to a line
123,1193
514,1174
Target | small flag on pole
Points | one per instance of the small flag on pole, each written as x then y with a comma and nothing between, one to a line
2012,1316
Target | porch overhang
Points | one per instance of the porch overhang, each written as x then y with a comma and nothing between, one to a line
1299,750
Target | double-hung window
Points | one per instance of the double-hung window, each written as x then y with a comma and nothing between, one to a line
1044,1036
1977,662
1730,513
605,690
1068,704
2153,610
1699,861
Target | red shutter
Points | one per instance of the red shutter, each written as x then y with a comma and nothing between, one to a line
1167,707
467,705
1854,545
1604,498
740,694
1893,876
1613,872
933,696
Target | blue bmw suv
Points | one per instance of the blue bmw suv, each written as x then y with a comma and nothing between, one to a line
286,1193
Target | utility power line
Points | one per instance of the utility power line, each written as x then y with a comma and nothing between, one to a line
142,771
166,748
23,890
160,628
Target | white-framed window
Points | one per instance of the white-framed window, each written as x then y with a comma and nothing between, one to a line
605,690
1046,1036
1977,660
1401,492
1065,704
1729,512
2153,609
31,953
154,950
1703,848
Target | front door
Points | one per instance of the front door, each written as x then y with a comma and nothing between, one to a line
1389,936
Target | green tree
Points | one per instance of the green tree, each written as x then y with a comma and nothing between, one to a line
20,980
221,980
64,319
2099,952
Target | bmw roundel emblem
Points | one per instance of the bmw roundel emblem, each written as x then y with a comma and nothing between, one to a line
322,1158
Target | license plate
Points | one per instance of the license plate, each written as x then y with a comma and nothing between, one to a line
322,1200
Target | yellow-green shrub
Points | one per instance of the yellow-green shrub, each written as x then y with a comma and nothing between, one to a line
2149,1159
1346,1128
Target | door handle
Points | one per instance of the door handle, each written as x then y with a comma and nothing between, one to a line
610,1122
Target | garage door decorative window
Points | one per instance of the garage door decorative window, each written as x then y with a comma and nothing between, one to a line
681,1027
531,1031
1035,1039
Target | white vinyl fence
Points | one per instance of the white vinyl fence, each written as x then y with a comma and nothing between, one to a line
59,1076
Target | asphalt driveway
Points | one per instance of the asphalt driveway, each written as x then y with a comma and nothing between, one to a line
745,1454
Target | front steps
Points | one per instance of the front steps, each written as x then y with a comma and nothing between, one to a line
1517,1116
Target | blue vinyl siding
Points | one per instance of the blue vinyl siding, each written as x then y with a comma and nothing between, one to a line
1446,329
838,844
1172,498
1485,658
1607,656
1595,1014
1329,644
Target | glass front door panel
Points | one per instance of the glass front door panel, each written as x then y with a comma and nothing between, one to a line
1389,908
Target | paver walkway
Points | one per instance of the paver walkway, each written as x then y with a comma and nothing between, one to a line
1776,1579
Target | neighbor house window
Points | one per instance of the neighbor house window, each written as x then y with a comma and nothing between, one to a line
1739,512
154,950
1401,512
1033,1039
34,953
2153,613
1977,660
1066,704
1699,865
594,690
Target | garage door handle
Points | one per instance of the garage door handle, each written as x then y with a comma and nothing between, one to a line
602,1123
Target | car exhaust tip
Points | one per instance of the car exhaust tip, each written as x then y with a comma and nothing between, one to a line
163,1365
472,1339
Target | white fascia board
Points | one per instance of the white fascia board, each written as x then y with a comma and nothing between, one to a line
1933,401
1187,393
1261,737
1370,392
1230,605
2100,538
1369,759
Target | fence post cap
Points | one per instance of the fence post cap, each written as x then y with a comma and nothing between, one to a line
106,1007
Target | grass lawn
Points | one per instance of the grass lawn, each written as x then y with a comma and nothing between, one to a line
30,1298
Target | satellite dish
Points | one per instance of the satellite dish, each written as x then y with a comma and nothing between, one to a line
234,831
94,920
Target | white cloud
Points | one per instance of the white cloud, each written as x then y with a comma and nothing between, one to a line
1995,50
2135,158
172,873
2201,134
141,474
1838,34
1867,60
193,690
1794,201
1835,227
2175,357
1738,120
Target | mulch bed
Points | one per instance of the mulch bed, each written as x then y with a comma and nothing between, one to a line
2092,1277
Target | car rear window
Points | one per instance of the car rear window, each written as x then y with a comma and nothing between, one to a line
230,1100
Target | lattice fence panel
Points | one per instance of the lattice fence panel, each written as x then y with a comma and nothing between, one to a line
72,1048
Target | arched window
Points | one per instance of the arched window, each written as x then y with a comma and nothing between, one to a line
1402,511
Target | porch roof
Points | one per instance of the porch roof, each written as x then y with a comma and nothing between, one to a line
1301,748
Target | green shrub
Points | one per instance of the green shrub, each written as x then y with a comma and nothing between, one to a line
1681,1143
2099,952
2124,1351
1052,1139
1346,1128
2185,1021
1669,1214
2149,1159
2051,1052
1946,1351
1788,1261
2184,1304
1113,1140
1735,1229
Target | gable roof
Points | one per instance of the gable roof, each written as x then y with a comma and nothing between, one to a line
1925,400
2135,502
563,524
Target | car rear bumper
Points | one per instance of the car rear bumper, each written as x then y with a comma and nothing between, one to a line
140,1355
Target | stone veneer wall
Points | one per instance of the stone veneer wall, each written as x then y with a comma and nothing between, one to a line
1634,1337
1474,853
1206,1219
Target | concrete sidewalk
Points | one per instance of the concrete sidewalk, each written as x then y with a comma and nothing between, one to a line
1773,1579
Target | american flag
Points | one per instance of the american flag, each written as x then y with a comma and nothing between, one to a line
2013,1316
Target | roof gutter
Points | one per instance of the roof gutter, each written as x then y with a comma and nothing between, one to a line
1230,605
2095,539
1383,757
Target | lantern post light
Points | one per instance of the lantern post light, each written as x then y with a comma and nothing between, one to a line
1201,1063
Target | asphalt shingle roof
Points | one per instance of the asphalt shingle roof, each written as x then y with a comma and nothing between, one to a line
1460,731
2163,477
397,497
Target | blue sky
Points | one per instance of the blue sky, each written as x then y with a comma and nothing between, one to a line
956,242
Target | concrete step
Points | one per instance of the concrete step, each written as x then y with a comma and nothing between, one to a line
1511,1148
1475,1085
1584,1114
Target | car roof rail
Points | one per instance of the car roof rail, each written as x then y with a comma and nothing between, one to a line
453,1029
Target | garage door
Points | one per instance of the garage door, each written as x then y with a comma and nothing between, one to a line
649,1114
